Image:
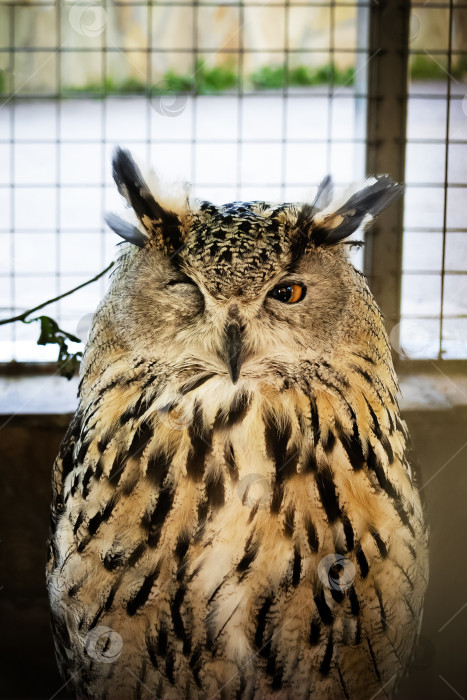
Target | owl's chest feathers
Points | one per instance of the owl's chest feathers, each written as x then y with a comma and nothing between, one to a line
234,495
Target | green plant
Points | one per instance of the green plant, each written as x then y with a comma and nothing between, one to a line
108,86
300,75
216,79
173,82
345,77
459,68
275,77
205,80
268,77
425,68
128,85
52,334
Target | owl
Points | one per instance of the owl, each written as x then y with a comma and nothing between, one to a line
235,515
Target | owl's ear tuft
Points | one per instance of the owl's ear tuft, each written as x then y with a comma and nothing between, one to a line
125,230
324,194
340,218
163,226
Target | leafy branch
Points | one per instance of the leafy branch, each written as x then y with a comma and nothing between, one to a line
52,334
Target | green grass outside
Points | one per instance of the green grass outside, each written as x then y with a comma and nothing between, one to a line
276,77
219,79
426,68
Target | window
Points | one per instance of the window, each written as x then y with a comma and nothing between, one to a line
434,274
245,100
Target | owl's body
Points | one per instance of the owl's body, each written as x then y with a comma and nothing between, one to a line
233,497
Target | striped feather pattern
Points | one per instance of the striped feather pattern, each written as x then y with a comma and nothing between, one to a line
200,545
214,539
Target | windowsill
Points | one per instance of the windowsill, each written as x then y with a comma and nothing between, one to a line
38,395
423,391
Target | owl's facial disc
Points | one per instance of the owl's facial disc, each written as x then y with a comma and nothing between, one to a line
282,266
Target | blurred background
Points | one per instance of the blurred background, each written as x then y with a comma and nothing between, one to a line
245,100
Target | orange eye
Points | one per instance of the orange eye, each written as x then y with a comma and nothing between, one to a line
288,293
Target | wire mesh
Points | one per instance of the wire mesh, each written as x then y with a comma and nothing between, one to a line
434,275
247,100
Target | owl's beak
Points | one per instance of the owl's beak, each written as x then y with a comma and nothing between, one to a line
233,349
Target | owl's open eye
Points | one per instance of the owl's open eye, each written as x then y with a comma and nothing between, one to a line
288,293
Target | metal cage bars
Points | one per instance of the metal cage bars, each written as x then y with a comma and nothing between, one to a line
380,75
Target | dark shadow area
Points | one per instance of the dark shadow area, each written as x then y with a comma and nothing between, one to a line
28,447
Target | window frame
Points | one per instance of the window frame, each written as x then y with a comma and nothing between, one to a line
383,73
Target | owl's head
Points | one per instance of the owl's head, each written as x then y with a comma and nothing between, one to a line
245,286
